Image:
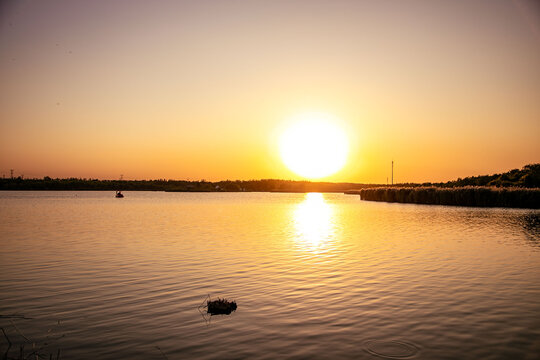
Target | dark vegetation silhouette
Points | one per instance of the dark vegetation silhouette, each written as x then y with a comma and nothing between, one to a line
461,196
515,188
48,183
527,177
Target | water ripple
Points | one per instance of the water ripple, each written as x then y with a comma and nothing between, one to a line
311,275
391,349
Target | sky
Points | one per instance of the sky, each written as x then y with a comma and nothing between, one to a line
203,89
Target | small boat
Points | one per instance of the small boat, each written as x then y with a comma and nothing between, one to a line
119,194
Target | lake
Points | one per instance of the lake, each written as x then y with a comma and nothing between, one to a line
315,276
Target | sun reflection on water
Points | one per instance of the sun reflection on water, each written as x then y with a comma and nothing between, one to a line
313,222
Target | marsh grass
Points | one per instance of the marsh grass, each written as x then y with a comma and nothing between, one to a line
20,347
460,196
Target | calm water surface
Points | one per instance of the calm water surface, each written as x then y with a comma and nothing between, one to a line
315,276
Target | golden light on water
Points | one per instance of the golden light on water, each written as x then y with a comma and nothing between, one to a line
314,146
313,222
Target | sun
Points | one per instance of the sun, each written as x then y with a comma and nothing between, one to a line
314,146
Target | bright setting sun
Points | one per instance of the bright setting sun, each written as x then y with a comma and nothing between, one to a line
314,146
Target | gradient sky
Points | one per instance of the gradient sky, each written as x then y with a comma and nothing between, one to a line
202,89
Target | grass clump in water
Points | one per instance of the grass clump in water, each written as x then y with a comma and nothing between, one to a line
220,306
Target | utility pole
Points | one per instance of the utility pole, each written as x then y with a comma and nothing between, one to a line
11,170
392,172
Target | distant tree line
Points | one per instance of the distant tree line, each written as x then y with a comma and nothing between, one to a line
266,185
527,177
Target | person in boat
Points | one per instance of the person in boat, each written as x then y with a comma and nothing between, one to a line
119,194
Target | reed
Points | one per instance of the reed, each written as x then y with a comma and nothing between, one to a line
459,196
27,348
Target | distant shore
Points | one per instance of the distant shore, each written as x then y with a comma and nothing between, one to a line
526,178
477,196
265,185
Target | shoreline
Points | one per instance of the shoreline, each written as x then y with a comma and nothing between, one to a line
469,196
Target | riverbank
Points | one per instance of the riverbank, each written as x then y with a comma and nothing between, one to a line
459,196
264,185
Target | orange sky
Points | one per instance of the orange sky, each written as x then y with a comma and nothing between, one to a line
202,89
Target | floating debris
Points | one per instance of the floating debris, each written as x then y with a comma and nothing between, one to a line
219,306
